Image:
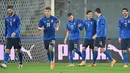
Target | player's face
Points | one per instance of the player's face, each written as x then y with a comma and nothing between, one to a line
70,18
47,12
90,15
10,11
125,13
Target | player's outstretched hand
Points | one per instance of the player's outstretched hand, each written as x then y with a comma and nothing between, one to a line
119,39
13,34
94,37
41,28
65,41
4,38
56,29
79,25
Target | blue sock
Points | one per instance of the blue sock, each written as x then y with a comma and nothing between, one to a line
71,56
6,57
95,54
78,52
124,57
52,55
51,50
48,54
83,55
108,55
20,57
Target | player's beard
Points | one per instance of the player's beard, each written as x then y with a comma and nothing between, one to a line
125,15
10,14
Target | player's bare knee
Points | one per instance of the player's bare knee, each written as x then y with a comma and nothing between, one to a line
84,49
7,50
95,49
124,50
129,49
102,50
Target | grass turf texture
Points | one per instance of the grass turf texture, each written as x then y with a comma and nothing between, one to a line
62,68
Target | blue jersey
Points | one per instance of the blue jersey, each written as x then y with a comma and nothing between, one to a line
49,26
101,27
90,27
12,24
72,27
124,28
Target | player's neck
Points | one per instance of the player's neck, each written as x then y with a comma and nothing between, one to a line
48,16
72,20
126,16
89,18
99,15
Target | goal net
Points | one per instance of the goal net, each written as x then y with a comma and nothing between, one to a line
30,12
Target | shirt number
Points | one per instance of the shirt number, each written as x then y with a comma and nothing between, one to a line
48,24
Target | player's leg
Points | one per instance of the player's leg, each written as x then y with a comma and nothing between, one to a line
85,45
124,51
95,52
129,49
106,52
46,45
52,53
9,45
91,46
71,48
77,48
17,45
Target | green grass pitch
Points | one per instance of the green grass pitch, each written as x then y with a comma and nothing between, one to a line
62,68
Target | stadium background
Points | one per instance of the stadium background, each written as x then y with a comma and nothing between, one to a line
30,12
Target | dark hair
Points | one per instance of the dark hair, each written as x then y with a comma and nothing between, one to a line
98,10
10,7
125,9
69,14
88,11
48,8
